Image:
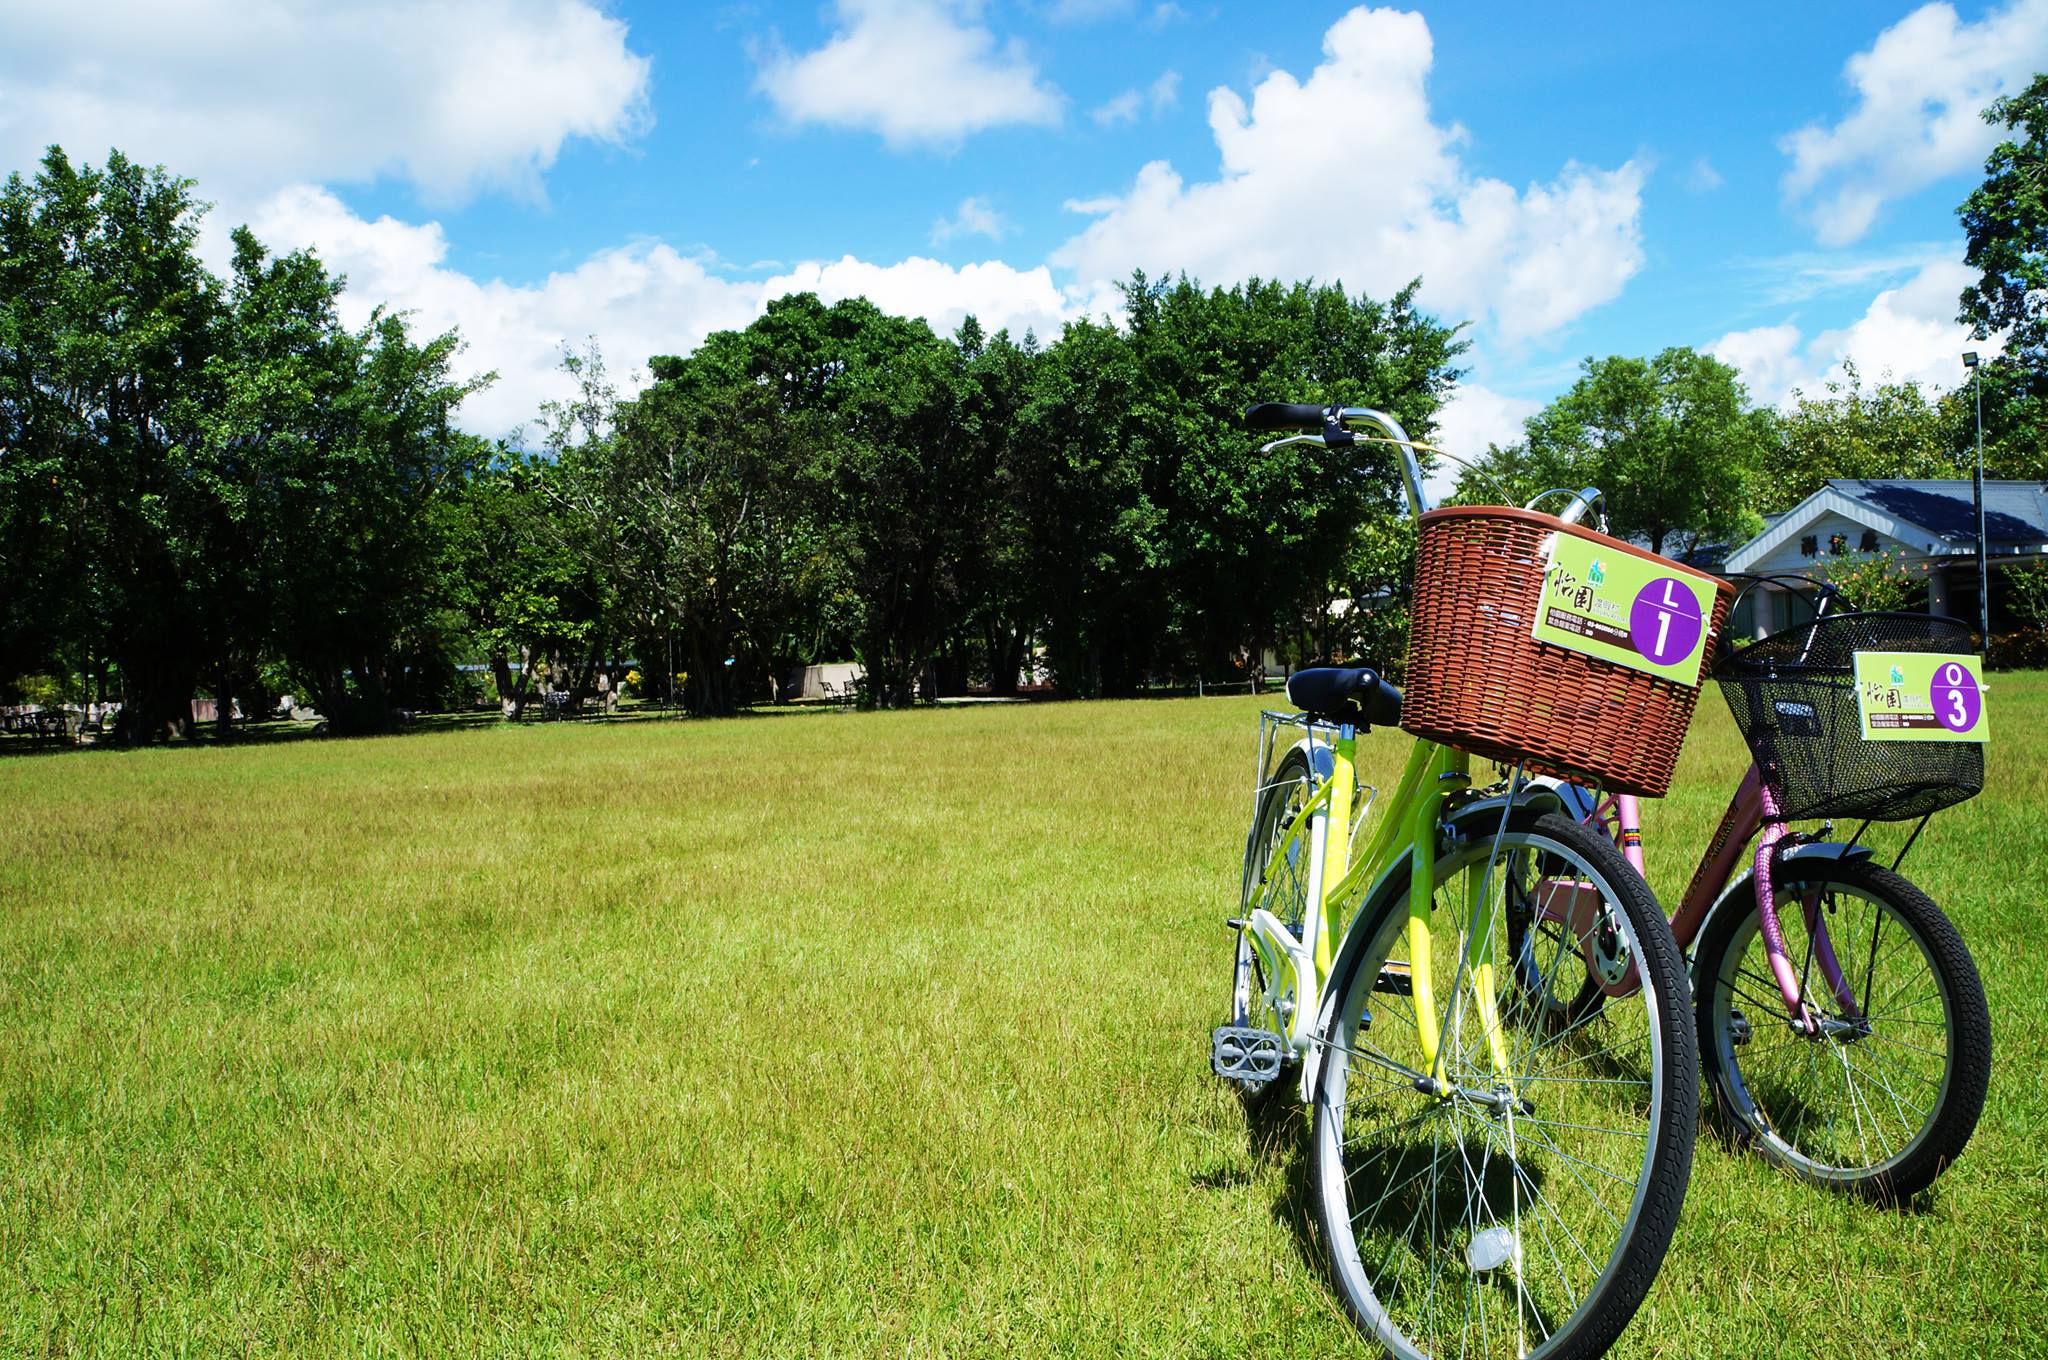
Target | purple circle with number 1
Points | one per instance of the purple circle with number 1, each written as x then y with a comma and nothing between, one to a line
1957,701
1664,622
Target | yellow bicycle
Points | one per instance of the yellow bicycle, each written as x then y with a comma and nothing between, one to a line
1490,1179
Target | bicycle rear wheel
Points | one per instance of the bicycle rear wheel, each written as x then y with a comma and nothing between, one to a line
1262,993
1516,1213
1888,1094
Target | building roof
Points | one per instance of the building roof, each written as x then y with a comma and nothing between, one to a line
1934,518
2015,513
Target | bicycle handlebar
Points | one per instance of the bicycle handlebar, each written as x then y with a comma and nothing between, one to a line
1805,586
1575,509
1282,415
1336,433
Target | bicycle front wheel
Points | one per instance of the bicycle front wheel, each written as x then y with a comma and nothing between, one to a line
1887,1093
1513,1192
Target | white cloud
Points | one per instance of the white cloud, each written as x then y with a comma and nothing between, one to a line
1920,90
918,72
1122,109
1770,359
1911,331
1477,416
976,217
1000,296
637,300
1093,207
456,101
1801,275
1161,95
1703,178
1907,333
455,97
1294,198
1472,419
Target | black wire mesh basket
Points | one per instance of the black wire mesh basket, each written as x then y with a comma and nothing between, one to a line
1794,697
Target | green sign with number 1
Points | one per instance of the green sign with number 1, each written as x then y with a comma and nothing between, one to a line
1634,611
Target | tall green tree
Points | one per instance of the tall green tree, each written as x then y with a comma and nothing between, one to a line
1092,521
205,480
107,320
723,482
1252,542
1670,441
336,448
197,477
1847,430
520,576
2005,226
905,474
997,586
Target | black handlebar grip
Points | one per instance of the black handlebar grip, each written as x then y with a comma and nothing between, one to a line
1283,415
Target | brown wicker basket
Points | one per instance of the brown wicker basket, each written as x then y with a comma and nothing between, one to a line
1480,681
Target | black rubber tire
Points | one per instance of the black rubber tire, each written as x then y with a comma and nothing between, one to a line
1290,774
1968,1071
1639,1249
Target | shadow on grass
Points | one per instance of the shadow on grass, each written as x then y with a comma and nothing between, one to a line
273,732
1276,1137
206,736
1736,1139
270,732
1398,1196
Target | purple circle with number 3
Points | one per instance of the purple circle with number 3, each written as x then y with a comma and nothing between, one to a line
1664,622
1957,701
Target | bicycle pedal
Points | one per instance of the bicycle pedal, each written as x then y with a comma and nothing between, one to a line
1394,980
1241,1053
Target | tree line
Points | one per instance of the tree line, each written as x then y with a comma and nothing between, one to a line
211,485
1687,463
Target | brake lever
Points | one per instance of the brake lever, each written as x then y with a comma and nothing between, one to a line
1294,439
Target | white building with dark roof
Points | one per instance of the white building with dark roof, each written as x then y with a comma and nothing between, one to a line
1932,524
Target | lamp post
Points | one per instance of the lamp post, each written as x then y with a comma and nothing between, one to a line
1977,486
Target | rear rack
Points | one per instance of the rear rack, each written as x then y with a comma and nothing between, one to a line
1273,727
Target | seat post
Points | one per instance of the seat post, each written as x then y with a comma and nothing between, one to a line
1337,841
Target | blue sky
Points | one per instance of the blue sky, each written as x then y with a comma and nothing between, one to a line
1776,183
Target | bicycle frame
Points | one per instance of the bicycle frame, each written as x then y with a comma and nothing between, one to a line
1407,829
1751,809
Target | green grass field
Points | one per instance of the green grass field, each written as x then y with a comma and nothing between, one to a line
820,1034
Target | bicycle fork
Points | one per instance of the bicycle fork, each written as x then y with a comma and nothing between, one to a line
1801,1011
1446,772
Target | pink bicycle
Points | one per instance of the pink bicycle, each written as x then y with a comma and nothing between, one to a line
1841,1022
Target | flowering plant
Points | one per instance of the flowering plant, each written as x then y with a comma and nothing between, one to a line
1873,580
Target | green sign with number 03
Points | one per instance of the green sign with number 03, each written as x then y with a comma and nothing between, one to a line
1921,696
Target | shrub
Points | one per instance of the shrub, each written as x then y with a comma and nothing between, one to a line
2025,650
45,690
1879,580
2026,592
